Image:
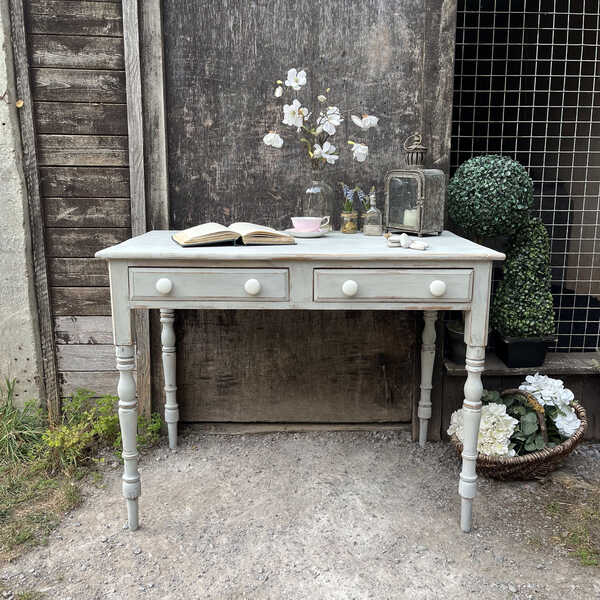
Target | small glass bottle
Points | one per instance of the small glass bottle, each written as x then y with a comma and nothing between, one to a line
373,220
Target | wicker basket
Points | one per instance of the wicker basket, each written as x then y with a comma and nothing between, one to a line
529,466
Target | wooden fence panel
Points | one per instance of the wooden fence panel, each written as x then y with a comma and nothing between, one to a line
74,18
81,118
75,51
80,150
78,84
87,212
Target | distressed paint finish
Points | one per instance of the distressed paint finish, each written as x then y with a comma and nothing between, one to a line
427,358
220,67
150,259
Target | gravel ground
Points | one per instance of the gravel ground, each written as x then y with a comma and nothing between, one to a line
309,515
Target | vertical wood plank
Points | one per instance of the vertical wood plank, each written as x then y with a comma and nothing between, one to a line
155,139
155,127
135,130
36,215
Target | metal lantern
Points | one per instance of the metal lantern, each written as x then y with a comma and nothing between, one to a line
415,196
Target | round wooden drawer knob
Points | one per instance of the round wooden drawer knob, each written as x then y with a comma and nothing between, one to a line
350,288
437,288
164,286
252,287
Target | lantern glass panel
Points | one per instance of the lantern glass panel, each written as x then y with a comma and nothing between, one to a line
404,194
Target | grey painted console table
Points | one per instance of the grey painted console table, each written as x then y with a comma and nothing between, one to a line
335,272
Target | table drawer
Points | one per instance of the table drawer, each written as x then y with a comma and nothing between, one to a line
253,285
405,285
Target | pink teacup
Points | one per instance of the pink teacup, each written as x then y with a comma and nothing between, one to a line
310,224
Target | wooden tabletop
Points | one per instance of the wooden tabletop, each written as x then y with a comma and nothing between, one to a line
333,246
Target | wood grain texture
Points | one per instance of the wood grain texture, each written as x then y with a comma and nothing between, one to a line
35,210
135,128
556,363
78,85
345,373
76,52
77,272
98,382
85,182
83,330
83,150
69,301
369,53
74,18
81,119
86,357
65,242
438,81
155,129
87,212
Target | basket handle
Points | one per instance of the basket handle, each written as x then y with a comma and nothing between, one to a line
539,409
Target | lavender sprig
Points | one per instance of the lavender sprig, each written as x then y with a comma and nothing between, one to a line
348,197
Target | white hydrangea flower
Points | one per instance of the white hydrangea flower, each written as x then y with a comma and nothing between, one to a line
326,151
495,429
567,422
295,79
551,392
273,139
294,114
545,389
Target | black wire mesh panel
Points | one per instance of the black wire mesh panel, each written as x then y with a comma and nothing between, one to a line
526,78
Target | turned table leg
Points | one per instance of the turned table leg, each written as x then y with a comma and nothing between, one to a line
467,487
427,359
167,317
128,420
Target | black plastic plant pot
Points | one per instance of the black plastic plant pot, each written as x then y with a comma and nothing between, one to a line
455,342
522,352
456,349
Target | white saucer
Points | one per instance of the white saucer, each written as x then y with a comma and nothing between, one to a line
307,234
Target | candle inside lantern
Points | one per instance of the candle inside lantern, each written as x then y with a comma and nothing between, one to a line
411,217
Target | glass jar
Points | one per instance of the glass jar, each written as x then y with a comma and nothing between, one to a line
373,219
318,200
349,222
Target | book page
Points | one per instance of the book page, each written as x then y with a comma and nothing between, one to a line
251,228
205,232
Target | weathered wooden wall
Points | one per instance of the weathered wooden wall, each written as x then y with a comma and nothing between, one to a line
391,58
220,66
78,85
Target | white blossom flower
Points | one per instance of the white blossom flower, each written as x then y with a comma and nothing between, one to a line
295,79
567,422
545,389
278,91
321,98
551,392
495,429
293,114
330,120
273,139
366,122
326,151
359,151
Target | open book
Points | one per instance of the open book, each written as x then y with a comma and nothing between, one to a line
246,233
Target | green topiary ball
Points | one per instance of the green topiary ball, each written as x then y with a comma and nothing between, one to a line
489,196
523,306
